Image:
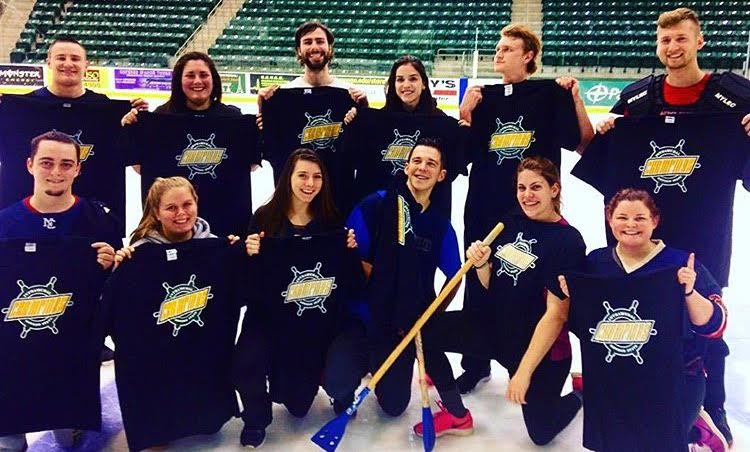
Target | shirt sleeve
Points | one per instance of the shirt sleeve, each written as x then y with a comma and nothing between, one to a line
571,257
706,285
592,166
568,132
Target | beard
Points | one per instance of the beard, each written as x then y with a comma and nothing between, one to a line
317,66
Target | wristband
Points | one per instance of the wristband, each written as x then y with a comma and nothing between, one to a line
690,293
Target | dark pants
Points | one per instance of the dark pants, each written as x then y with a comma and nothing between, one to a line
290,385
545,413
354,353
695,390
473,298
714,362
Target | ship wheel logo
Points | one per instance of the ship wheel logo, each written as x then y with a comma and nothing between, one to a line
309,289
320,131
398,151
183,305
201,156
669,166
510,140
517,257
38,307
623,332
87,150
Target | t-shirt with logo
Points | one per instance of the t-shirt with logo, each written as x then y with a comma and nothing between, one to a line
513,121
380,142
49,365
213,152
310,118
94,124
303,289
84,218
172,311
527,258
687,166
631,333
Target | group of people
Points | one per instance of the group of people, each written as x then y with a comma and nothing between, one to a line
515,315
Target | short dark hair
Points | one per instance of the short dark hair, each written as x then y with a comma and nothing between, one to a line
64,39
54,135
431,143
309,27
632,194
177,101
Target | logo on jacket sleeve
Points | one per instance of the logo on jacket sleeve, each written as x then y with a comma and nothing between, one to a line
623,332
38,307
309,289
515,258
398,151
320,131
403,222
183,305
510,140
87,150
669,165
201,156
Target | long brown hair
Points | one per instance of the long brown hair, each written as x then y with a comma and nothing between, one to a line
271,216
632,194
177,100
149,222
545,168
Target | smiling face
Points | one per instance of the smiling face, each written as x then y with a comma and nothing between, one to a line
54,168
314,50
409,86
197,84
67,63
677,46
424,169
536,196
632,224
177,214
306,182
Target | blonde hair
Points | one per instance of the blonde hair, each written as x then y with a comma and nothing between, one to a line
531,42
674,17
161,185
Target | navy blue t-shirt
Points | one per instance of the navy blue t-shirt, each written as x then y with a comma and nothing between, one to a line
689,168
49,365
214,152
93,123
172,311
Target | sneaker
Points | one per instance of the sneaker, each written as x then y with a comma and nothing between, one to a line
67,438
448,424
469,380
252,438
106,355
577,381
719,416
710,435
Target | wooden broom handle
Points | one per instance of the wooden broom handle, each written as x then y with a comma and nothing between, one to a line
447,289
422,371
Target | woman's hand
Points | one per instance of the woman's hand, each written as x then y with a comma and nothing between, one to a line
130,117
252,243
686,275
126,252
233,238
351,239
479,253
563,285
517,388
350,115
105,254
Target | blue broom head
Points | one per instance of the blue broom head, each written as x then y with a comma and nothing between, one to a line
428,429
329,437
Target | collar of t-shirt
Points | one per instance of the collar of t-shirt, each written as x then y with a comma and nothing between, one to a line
685,95
27,203
631,268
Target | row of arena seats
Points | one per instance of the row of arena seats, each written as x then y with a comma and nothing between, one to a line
137,31
623,33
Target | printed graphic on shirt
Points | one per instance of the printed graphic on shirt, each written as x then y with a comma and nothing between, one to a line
38,307
623,332
87,150
399,149
669,165
320,131
517,257
183,305
404,220
510,140
201,156
48,223
309,289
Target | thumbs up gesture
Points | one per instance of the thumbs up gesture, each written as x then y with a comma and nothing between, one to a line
686,274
